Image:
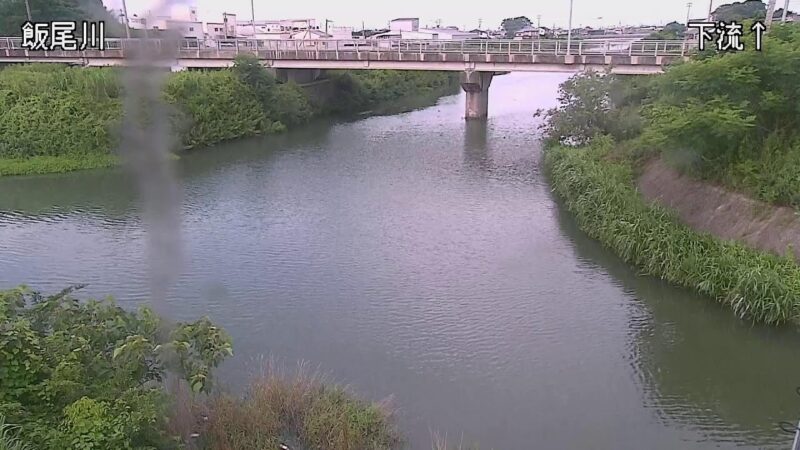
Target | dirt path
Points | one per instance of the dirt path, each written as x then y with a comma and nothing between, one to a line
722,213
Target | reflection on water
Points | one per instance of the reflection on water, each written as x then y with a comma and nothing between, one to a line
425,257
701,368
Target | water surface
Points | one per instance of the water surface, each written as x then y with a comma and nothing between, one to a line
423,257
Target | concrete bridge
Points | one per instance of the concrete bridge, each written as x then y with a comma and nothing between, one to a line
302,60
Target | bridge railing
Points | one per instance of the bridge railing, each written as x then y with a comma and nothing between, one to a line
226,48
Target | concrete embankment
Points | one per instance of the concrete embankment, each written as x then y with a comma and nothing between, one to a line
725,214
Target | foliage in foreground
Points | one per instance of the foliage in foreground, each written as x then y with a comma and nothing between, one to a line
9,437
89,374
300,409
601,195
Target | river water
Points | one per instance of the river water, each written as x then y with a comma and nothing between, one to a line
419,256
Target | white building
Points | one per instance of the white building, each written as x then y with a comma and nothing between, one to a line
215,30
437,33
341,33
187,29
309,35
404,24
448,33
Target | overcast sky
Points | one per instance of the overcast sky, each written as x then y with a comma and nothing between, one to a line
377,13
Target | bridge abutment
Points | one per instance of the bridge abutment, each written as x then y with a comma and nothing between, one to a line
476,85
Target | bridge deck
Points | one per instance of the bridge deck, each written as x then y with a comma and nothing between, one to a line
622,55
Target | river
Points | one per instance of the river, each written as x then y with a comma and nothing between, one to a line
422,257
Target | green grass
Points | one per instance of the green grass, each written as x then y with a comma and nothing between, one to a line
9,439
601,194
55,164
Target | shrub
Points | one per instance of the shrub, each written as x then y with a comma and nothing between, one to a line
216,106
88,374
301,409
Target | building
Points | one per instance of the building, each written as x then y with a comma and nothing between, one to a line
309,35
481,34
527,32
187,29
407,24
341,32
215,30
448,33
275,29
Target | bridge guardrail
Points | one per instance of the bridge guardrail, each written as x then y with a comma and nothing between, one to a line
224,47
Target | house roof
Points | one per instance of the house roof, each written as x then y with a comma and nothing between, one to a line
406,18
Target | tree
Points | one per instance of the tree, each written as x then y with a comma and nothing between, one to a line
672,30
512,25
738,11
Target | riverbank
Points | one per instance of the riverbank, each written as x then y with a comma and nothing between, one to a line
712,138
601,193
60,119
710,208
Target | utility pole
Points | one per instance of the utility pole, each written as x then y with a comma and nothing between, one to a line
710,10
253,17
28,10
785,8
124,11
770,13
569,30
688,13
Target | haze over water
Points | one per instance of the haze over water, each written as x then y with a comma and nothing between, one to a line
420,256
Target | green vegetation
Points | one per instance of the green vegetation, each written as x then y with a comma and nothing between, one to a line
57,118
671,31
90,375
9,437
739,11
601,194
360,90
298,408
732,119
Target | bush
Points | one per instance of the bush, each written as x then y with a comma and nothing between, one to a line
299,408
54,110
88,374
216,106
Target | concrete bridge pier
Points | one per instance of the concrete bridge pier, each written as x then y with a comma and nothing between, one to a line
476,85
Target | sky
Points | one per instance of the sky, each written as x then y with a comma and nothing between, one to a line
461,13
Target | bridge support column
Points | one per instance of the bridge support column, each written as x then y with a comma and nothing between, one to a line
476,85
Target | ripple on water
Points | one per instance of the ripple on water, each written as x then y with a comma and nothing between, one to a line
420,256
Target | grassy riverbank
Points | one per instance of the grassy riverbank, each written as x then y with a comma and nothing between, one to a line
729,119
601,193
58,119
